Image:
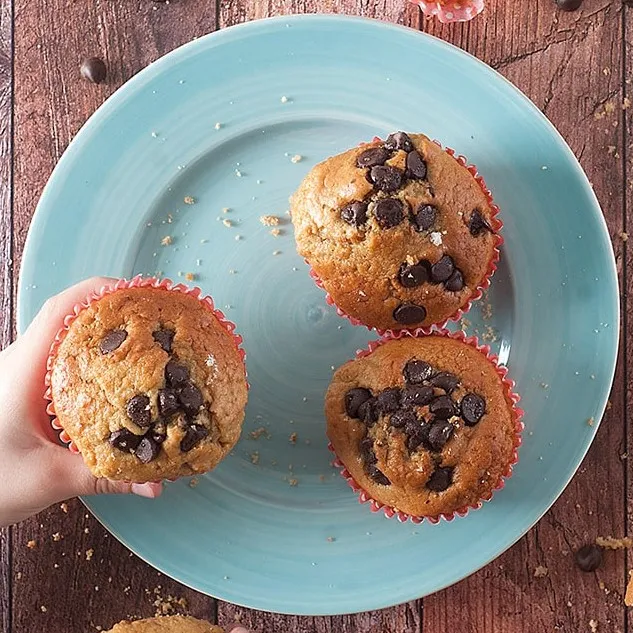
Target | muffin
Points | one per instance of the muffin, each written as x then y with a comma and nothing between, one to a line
166,624
426,426
400,233
148,382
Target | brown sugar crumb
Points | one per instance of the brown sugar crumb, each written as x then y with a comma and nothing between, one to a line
64,508
293,482
610,542
257,433
193,482
593,626
189,200
590,421
275,232
628,596
269,220
167,605
227,222
32,544
89,554
190,276
293,438
57,536
166,241
540,572
255,457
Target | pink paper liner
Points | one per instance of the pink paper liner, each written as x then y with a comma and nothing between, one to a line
496,225
136,282
502,371
451,10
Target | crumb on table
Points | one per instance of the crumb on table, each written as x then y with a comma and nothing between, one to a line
259,432
89,554
64,508
189,200
628,596
193,482
611,542
540,572
32,544
166,241
269,220
275,232
227,222
254,457
293,438
297,158
190,276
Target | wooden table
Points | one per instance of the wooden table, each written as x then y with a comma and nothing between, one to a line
575,66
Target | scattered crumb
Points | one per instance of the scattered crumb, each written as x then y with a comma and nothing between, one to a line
89,553
217,126
436,238
276,252
544,385
464,323
193,482
330,539
255,457
593,625
64,508
293,438
321,478
489,335
86,530
626,103
43,609
486,311
166,241
624,236
540,572
284,99
203,241
269,220
297,158
257,433
19,575
226,209
190,276
590,421
628,596
227,222
32,544
57,536
167,605
610,542
238,173
189,200
238,238
293,482
55,566
232,271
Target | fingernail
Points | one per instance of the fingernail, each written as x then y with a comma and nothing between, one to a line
150,490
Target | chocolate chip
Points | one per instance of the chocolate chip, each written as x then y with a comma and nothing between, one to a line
478,224
445,380
93,69
112,340
424,217
175,373
389,212
417,371
416,396
366,447
368,412
124,440
148,449
473,407
413,275
442,407
354,398
372,156
377,475
440,480
355,213
388,400
138,410
190,398
167,402
416,166
589,557
569,5
402,419
442,269
409,313
417,434
193,435
385,177
398,140
440,432
164,338
455,282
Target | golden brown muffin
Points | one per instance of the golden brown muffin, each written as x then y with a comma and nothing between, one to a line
149,384
424,425
399,232
166,624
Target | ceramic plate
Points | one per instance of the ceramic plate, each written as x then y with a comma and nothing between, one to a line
235,120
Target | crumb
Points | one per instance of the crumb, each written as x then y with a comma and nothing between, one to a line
89,553
232,271
293,438
284,99
486,311
43,609
590,421
330,539
238,173
86,530
167,605
626,103
225,209
624,236
57,536
436,238
64,508
464,323
610,542
269,220
190,276
275,232
628,596
166,241
257,433
227,222
55,566
321,478
489,335
609,405
32,544
19,575
297,158
255,457
189,200
217,126
544,385
593,625
540,572
193,482
276,252
238,238
293,482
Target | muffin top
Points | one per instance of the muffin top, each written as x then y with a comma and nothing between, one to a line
424,425
166,624
399,232
149,384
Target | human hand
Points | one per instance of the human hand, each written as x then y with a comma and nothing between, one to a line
35,470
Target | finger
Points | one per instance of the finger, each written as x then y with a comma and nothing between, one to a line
237,629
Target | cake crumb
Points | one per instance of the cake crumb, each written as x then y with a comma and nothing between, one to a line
57,536
193,482
238,173
611,542
540,572
489,335
269,220
330,539
284,99
89,553
293,438
32,544
255,457
628,596
276,252
486,311
297,158
189,200
593,626
275,232
166,241
259,432
217,126
19,575
624,236
227,222
293,482
86,530
626,103
590,421
190,276
226,209
64,508
238,238
43,609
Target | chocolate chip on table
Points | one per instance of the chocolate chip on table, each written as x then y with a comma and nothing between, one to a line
413,275
368,412
193,435
372,156
442,407
355,213
385,177
112,340
403,418
442,269
416,166
478,224
164,338
589,557
388,400
354,398
417,371
138,410
569,5
445,380
167,402
389,212
377,475
440,432
93,69
424,217
455,282
147,449
124,440
175,373
398,140
409,313
440,480
416,396
190,398
473,408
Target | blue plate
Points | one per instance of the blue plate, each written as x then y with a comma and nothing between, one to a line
275,527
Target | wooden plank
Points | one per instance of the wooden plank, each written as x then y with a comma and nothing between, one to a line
51,103
570,64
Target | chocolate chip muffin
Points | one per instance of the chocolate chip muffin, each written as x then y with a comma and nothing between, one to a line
149,384
426,425
166,624
400,233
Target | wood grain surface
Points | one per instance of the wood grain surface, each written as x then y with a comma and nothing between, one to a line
575,66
